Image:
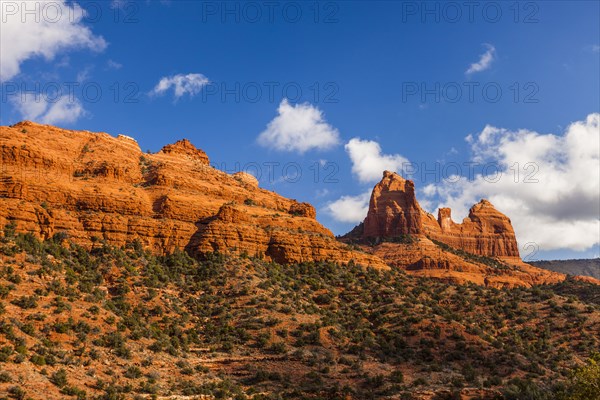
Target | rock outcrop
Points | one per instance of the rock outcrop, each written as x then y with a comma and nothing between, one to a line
393,208
486,231
482,249
394,211
94,186
185,149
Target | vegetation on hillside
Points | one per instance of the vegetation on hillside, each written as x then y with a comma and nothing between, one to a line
586,267
113,323
489,261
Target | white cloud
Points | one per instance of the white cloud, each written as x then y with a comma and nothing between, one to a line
190,84
58,28
349,208
368,163
84,74
485,60
111,64
554,200
299,128
39,109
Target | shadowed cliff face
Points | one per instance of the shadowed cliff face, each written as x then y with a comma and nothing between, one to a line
95,186
394,211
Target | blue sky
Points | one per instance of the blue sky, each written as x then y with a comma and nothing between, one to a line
394,76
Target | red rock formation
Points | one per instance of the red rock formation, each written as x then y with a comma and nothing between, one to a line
424,258
184,148
93,185
246,178
486,231
394,211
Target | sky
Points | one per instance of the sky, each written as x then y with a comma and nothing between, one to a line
471,100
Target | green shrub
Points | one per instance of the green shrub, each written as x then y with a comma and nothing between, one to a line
5,377
26,302
585,382
133,372
17,393
59,378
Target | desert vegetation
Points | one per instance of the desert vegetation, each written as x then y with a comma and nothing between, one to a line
115,323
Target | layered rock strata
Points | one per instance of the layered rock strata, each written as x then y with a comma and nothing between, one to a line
95,186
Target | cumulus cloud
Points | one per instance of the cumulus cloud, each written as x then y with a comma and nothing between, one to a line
299,128
368,162
485,60
350,209
57,28
38,108
190,84
548,184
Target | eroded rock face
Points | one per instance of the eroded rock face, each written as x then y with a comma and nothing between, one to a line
246,178
426,259
95,186
401,233
393,208
486,231
184,148
394,211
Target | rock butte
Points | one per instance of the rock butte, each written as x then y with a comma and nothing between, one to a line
95,186
486,234
394,211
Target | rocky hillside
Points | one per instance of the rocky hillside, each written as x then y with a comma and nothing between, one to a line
131,275
122,323
589,267
96,187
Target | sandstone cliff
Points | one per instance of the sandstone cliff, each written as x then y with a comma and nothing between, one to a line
393,208
94,186
394,211
482,249
97,187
